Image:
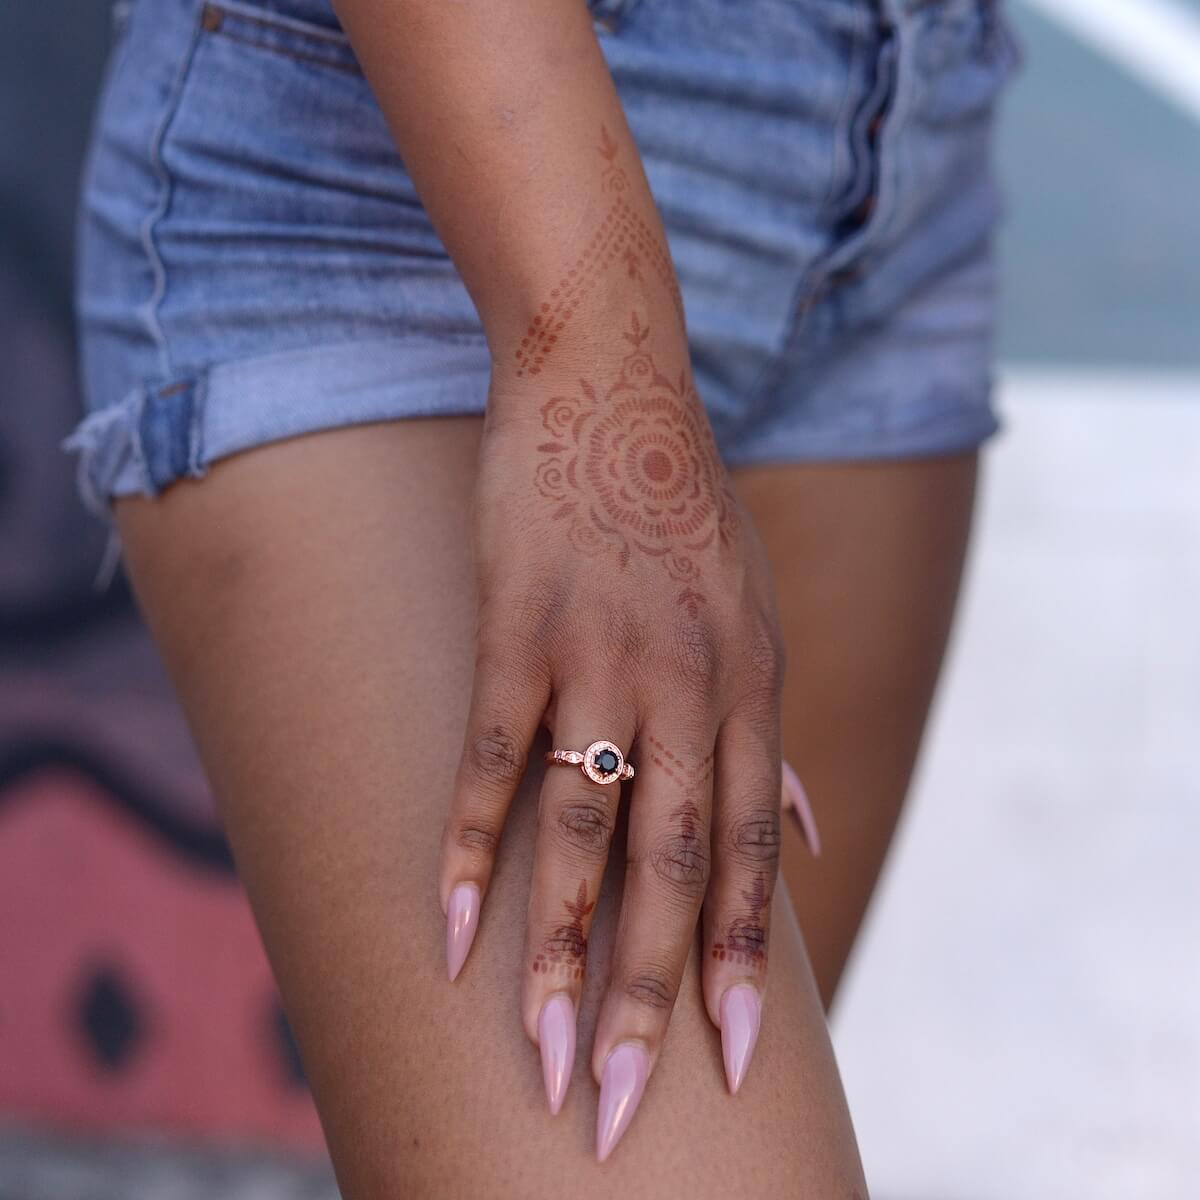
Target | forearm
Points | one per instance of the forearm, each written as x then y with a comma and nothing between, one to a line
508,121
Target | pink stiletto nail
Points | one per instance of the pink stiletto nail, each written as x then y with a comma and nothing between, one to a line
462,919
796,798
556,1041
741,1015
621,1088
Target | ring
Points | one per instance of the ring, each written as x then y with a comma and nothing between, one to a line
601,762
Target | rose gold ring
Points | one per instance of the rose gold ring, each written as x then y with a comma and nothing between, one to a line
601,762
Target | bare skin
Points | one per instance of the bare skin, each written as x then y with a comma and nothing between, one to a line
315,603
333,635
867,559
621,593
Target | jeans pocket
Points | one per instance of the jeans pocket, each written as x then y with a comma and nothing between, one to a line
265,29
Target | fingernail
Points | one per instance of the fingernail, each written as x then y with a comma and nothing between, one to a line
796,798
556,1041
741,1014
462,919
621,1088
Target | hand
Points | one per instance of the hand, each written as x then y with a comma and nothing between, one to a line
623,596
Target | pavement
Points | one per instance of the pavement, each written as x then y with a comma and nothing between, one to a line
1022,1021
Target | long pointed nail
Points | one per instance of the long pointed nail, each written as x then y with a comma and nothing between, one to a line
556,1041
796,798
741,1015
462,919
621,1088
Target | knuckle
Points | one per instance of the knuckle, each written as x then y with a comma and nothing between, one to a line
696,657
652,986
754,836
768,659
682,862
748,938
585,825
476,838
540,614
625,638
515,663
496,755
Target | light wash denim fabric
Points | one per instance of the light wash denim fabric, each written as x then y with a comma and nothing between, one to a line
255,262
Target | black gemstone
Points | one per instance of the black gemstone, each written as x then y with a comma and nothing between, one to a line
110,1018
606,762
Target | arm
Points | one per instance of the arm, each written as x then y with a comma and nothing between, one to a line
621,595
507,119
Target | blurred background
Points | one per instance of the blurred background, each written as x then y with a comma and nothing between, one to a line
1022,1021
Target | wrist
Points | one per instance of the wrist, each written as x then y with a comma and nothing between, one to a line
590,336
579,315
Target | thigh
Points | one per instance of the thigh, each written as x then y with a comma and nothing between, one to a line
314,601
867,559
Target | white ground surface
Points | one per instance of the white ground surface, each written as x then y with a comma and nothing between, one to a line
1023,1021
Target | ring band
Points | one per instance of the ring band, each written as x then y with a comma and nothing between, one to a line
602,762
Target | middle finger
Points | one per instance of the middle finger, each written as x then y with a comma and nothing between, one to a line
665,880
576,817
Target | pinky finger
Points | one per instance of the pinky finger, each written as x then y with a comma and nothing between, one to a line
796,802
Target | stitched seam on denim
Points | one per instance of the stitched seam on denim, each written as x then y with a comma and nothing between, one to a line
273,20
136,447
966,427
844,124
156,214
896,114
288,52
196,426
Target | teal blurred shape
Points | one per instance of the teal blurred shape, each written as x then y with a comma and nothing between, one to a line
1101,250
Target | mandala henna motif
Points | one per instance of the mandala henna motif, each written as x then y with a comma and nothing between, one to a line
635,467
565,949
623,237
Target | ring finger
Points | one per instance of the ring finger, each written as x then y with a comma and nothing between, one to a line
577,812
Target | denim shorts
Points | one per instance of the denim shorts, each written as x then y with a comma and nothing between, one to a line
255,262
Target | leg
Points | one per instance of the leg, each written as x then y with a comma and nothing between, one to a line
314,602
867,560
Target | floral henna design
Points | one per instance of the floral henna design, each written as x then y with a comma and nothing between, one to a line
746,938
635,467
565,949
623,237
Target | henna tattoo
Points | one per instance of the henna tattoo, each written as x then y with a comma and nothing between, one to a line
565,949
746,938
691,601
635,467
688,845
622,236
613,178
673,767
